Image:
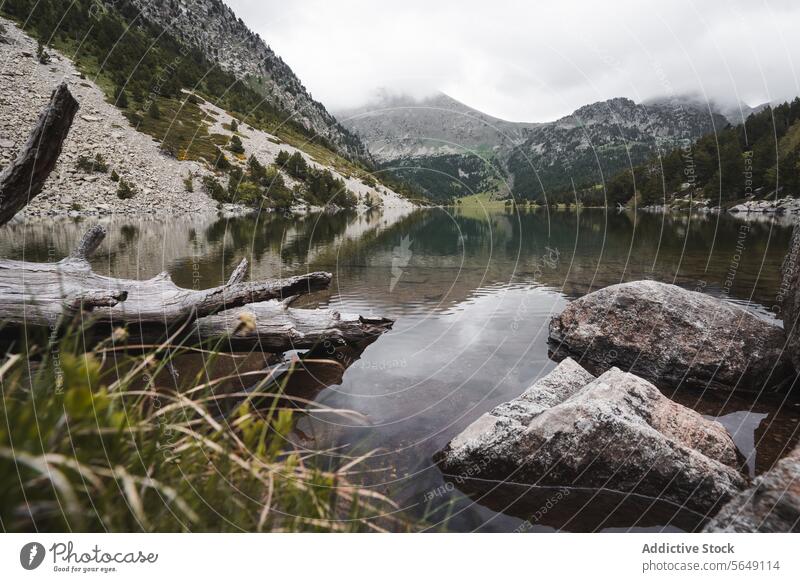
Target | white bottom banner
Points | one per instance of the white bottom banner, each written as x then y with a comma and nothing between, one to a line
371,557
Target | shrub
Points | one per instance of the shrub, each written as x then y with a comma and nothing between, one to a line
323,188
41,55
154,111
188,182
279,196
235,177
297,167
221,163
256,171
125,190
234,125
247,193
235,145
92,165
121,98
346,199
214,189
114,176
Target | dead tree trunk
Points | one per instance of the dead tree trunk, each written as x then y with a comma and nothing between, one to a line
25,177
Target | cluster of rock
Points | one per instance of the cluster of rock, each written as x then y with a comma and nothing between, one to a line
615,430
786,205
771,504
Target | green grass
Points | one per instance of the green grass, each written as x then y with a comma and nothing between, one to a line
101,440
182,129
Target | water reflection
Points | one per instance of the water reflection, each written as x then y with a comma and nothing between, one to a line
472,293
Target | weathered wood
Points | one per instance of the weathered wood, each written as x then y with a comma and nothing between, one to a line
36,294
275,327
89,243
239,273
25,177
238,315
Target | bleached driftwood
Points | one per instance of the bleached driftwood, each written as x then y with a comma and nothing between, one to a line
242,314
275,327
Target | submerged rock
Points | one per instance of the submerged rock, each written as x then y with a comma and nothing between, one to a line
616,432
772,504
671,336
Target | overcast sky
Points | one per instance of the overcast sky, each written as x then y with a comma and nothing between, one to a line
526,61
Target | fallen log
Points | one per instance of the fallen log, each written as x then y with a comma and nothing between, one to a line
276,327
25,177
236,316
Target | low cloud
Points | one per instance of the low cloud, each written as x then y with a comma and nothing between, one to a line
523,62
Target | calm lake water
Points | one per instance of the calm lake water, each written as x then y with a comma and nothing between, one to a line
472,294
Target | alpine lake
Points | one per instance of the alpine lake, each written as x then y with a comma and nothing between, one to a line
471,291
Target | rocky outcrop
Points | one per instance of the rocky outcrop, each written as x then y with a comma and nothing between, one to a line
772,504
614,432
789,296
396,127
448,140
212,27
671,337
783,206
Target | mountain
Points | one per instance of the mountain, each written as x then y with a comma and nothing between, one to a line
212,27
598,140
451,150
170,121
755,162
734,113
398,126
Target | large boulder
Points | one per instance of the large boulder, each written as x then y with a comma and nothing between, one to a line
789,295
772,504
614,432
672,337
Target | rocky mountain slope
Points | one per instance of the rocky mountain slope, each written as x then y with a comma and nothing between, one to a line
99,128
601,139
158,178
212,26
451,150
395,127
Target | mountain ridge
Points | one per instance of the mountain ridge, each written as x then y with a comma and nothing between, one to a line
213,27
450,126
464,151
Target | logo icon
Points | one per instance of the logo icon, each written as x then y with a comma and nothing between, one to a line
31,555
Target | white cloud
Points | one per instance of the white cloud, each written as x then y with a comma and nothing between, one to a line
523,62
